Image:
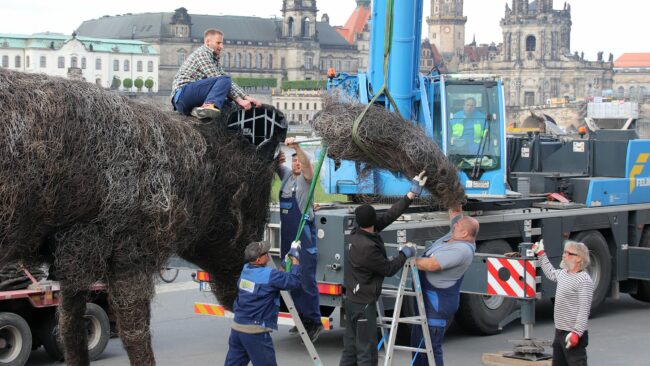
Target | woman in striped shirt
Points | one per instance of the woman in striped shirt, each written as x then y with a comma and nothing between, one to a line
572,302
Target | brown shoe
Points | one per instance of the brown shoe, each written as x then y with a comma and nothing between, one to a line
206,111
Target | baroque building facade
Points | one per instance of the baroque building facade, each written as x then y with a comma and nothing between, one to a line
94,60
632,76
534,59
294,47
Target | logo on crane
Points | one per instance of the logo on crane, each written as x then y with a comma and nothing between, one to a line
637,169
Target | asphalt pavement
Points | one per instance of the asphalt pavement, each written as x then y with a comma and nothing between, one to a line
619,334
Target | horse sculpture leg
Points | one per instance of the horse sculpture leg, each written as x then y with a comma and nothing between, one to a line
72,327
77,264
130,295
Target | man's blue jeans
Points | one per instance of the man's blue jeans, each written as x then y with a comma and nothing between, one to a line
211,90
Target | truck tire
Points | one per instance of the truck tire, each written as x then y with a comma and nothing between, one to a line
643,289
600,268
482,314
98,328
15,340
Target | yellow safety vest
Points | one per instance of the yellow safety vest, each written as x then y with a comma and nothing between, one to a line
458,128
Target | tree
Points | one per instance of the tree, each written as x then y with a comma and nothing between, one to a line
115,84
138,84
148,84
127,84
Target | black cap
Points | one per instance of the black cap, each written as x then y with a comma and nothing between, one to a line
365,215
256,249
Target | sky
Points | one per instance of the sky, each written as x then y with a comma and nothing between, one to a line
597,24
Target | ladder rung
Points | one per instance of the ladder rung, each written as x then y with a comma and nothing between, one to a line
394,292
418,320
410,349
407,320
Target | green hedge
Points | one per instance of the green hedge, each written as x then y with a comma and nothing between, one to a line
138,83
304,84
115,84
253,82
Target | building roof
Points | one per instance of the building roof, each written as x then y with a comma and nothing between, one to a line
632,60
235,28
146,25
438,60
476,53
57,40
328,36
435,54
355,24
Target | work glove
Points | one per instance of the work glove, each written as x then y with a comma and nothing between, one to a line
572,340
418,183
538,248
295,249
409,250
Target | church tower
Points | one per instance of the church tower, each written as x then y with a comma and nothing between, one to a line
534,31
301,58
299,19
447,27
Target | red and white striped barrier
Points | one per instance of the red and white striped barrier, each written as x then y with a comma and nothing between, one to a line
283,318
511,277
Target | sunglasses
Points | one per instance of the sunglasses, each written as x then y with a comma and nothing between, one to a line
571,254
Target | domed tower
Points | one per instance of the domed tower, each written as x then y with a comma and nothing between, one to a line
181,24
299,19
535,31
447,27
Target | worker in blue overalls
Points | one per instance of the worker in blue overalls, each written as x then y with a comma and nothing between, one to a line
294,192
257,304
441,269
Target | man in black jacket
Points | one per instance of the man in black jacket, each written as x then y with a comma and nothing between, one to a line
366,265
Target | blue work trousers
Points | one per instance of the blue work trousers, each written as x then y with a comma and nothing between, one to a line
306,298
210,90
437,334
244,348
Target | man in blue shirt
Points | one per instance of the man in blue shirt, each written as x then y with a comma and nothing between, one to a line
441,269
467,128
257,304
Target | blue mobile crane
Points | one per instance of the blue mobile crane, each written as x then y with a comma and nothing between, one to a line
433,101
604,178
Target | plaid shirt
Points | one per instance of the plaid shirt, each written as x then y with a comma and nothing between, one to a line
201,64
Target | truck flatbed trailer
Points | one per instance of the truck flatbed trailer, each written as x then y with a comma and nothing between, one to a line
618,238
28,320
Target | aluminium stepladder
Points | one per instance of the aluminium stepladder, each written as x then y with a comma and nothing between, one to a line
288,301
393,322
